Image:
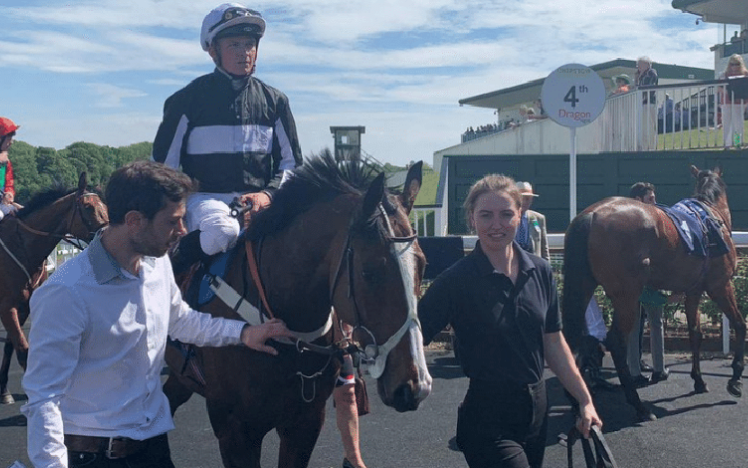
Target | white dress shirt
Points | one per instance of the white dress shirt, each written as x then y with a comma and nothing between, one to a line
96,350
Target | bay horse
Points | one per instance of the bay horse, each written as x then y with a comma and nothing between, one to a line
625,245
332,237
26,240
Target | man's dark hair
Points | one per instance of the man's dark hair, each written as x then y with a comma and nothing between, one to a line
640,189
144,186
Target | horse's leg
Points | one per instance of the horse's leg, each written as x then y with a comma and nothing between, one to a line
694,335
297,440
626,307
240,442
176,392
725,299
6,398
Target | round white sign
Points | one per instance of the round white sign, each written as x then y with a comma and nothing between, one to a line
573,95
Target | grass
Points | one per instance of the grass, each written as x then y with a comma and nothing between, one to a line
694,139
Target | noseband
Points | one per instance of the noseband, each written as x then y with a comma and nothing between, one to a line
373,354
67,236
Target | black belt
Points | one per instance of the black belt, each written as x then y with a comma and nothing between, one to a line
111,447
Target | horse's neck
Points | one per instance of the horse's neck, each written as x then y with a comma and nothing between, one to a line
299,262
51,221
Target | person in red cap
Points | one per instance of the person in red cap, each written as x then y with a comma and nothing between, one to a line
7,132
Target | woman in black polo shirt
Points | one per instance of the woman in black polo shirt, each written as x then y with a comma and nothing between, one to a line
502,304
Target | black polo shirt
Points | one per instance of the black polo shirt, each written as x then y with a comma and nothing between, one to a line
499,325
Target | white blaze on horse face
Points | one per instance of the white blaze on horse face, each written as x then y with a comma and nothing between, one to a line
406,260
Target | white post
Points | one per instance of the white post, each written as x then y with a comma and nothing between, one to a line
725,334
573,175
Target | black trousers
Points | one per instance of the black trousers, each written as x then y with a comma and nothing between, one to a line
155,455
503,426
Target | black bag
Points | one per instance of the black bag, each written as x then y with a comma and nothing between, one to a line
600,457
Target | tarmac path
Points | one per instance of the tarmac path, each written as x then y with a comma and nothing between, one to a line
692,431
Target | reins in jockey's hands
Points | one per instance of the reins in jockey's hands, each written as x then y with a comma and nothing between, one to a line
253,202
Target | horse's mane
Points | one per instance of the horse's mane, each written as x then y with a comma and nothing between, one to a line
321,178
709,187
45,198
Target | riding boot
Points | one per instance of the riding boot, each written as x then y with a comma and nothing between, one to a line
187,253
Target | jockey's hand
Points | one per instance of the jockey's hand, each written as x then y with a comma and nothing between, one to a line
8,198
587,418
256,336
258,200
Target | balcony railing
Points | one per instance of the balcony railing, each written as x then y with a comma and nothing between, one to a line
670,117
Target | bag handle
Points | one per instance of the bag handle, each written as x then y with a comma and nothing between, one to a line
601,457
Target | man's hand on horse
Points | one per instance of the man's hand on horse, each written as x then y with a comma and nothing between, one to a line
8,198
256,336
587,418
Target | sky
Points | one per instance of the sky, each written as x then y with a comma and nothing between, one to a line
99,71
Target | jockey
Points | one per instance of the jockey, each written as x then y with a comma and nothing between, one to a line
7,189
228,130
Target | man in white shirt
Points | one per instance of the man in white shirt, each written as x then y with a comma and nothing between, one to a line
99,327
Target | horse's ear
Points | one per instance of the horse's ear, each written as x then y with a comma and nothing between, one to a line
374,195
718,170
695,171
82,183
412,185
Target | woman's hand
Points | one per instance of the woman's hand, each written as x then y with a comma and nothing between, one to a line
587,418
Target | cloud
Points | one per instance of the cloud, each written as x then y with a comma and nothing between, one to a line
110,96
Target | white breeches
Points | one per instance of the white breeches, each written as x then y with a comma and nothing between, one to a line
209,212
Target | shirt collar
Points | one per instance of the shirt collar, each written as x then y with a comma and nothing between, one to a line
484,265
105,267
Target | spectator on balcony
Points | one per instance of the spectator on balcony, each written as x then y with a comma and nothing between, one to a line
622,84
647,76
733,108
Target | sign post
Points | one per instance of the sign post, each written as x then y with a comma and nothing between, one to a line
573,95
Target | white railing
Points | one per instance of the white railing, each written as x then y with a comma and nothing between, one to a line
671,117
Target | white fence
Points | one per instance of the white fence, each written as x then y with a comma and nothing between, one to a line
672,117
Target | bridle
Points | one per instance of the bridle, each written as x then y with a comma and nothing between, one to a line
77,210
373,354
69,238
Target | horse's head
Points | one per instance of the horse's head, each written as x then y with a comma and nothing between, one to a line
710,188
375,290
90,213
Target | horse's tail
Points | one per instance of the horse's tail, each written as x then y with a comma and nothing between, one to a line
579,283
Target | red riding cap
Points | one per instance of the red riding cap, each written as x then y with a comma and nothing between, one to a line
7,126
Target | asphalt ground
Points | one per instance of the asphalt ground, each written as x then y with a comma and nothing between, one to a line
692,431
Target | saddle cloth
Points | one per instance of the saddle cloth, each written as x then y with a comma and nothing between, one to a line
701,234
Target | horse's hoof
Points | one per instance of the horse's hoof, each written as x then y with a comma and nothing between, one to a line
700,387
645,416
735,388
7,399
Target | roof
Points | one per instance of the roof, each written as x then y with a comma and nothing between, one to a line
715,11
530,91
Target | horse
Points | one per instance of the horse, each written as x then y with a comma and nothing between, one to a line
331,240
26,240
625,245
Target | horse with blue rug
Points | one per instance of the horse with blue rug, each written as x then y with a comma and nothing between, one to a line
624,245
